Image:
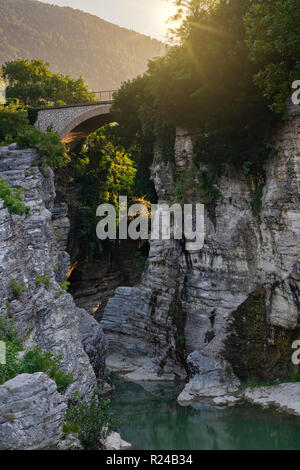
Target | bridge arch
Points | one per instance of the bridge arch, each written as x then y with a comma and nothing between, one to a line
74,122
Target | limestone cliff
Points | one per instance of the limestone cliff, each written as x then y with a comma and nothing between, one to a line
236,302
31,254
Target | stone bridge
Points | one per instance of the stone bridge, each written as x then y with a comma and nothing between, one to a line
74,122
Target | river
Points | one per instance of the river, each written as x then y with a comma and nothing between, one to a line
151,419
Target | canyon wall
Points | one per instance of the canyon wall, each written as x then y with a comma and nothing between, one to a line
32,254
231,308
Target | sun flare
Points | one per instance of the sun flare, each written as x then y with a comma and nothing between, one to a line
166,12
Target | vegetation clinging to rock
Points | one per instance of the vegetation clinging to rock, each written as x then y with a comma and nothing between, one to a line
52,150
13,199
92,421
34,360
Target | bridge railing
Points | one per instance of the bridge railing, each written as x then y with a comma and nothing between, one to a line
83,98
106,95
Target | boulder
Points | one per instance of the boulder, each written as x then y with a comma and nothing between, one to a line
32,413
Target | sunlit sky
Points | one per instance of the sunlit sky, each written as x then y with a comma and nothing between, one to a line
145,16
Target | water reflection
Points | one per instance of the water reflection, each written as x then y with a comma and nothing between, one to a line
153,420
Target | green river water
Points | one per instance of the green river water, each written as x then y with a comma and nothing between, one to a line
151,419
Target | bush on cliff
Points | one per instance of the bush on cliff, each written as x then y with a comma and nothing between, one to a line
15,127
35,360
13,198
38,360
92,421
52,150
13,120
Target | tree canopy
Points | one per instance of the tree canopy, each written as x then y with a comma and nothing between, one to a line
205,82
273,36
31,82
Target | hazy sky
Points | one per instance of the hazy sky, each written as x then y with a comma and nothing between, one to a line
144,16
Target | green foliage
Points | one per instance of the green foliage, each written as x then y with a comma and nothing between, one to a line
246,168
12,367
70,429
13,199
273,36
252,384
9,335
43,279
92,420
16,288
13,119
38,360
65,285
33,84
32,115
8,331
256,201
208,191
180,339
141,261
58,235
103,170
35,360
204,82
52,150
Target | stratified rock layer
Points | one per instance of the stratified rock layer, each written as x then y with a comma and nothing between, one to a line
32,413
192,301
44,313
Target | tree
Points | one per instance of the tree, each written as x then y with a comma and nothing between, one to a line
204,82
13,120
273,35
103,170
189,14
34,84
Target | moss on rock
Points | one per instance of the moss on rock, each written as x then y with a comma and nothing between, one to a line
256,350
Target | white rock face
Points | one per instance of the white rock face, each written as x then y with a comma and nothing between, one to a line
207,383
32,413
44,315
242,252
115,442
284,397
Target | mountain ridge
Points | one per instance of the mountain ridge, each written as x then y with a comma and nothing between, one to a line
74,42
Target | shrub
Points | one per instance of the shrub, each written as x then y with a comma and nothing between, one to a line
12,367
9,335
13,119
256,201
17,289
43,280
52,150
93,420
64,285
38,360
13,198
8,331
35,360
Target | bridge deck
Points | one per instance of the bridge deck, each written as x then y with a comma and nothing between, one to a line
77,105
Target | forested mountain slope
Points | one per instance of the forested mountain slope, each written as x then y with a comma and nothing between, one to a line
74,42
